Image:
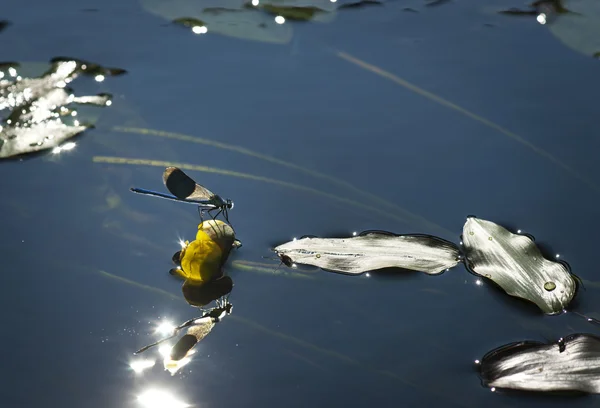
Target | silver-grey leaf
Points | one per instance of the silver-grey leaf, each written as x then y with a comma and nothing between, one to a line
36,137
372,251
572,364
579,28
41,109
516,264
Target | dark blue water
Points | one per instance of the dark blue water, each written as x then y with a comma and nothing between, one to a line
444,112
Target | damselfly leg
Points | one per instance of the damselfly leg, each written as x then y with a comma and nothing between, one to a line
220,210
201,213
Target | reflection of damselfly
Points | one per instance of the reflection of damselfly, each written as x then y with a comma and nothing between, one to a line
185,189
197,329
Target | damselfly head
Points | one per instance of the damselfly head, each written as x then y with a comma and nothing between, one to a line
229,204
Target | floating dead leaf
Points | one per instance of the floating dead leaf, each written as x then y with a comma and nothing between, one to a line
571,364
516,264
576,23
42,110
371,251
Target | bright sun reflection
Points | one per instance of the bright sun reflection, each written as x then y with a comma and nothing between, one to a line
279,20
165,350
99,78
66,146
541,18
140,365
160,399
165,328
199,29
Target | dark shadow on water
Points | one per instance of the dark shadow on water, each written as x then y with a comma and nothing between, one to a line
296,14
396,274
436,3
361,4
3,25
518,12
575,303
537,7
384,274
566,396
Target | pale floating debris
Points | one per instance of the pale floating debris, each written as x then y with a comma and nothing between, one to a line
248,19
37,137
578,28
99,100
229,18
36,106
371,251
576,23
516,264
571,364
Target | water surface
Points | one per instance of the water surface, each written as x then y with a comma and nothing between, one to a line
443,112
